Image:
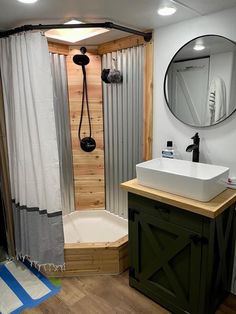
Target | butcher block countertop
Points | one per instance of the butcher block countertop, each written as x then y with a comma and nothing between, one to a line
210,209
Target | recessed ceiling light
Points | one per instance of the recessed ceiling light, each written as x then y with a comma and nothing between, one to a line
199,47
165,11
27,1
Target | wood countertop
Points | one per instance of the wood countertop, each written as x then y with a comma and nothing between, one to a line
209,209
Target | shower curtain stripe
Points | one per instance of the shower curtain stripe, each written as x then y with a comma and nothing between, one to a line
123,124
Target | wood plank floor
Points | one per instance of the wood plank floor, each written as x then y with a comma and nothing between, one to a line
107,295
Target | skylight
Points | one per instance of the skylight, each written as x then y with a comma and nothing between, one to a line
74,35
28,1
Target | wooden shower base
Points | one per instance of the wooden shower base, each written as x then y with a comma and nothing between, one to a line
94,258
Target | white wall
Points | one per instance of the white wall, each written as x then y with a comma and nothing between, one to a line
218,143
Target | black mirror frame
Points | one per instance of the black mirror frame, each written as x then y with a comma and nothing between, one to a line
165,79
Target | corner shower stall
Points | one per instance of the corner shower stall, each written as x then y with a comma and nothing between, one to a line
93,207
96,231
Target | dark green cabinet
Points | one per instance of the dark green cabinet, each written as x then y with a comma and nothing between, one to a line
180,259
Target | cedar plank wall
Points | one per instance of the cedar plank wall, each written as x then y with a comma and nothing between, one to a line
88,167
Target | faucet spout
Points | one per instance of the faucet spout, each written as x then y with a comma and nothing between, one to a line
191,147
194,148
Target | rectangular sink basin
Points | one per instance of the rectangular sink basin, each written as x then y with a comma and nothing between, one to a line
198,181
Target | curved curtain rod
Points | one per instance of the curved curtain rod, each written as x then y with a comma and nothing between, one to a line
147,36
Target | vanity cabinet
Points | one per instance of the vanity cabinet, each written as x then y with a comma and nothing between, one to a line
181,259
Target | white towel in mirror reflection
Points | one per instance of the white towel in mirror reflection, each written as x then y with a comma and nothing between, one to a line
216,101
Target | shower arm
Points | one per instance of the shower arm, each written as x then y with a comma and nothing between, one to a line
146,35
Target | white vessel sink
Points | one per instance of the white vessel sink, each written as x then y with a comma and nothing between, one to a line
198,181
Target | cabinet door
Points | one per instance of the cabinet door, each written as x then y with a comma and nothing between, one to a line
165,261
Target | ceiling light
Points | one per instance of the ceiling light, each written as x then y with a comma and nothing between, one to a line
165,11
199,47
27,1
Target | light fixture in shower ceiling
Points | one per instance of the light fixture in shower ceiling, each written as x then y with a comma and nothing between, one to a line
74,35
27,1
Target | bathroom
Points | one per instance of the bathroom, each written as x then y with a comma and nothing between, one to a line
169,35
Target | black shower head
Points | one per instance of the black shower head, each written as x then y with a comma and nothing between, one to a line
81,59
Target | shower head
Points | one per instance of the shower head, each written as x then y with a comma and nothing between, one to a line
81,60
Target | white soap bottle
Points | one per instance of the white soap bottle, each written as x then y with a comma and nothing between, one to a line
168,152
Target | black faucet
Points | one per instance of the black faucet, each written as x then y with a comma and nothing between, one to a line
194,147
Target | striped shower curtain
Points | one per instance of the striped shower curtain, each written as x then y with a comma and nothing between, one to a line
32,148
123,124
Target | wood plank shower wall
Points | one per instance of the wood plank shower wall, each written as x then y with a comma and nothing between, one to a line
88,167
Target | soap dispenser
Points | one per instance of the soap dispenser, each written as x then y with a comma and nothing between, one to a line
168,152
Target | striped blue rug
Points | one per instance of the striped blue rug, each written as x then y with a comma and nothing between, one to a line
22,286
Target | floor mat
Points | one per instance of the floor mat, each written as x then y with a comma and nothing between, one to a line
23,286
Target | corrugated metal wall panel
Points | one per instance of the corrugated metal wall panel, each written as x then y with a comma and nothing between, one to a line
123,124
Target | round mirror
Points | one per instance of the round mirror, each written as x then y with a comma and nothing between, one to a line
200,82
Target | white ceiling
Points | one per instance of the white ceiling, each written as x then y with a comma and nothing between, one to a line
139,14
